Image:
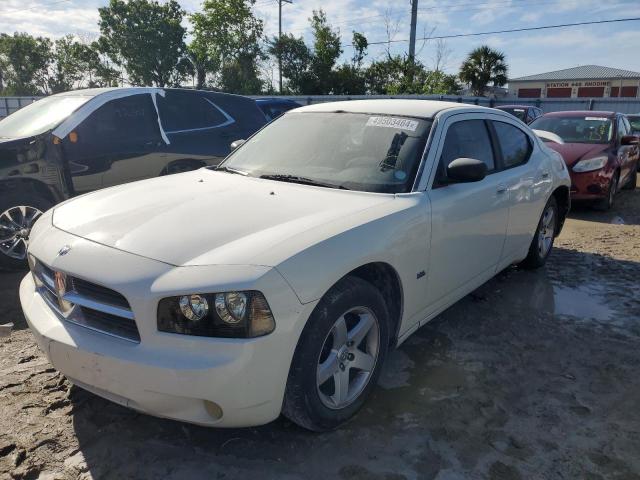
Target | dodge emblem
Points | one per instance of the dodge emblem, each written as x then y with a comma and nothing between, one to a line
64,250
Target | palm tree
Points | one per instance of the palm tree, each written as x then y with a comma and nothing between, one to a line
483,66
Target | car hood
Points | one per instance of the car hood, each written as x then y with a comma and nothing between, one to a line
206,217
573,152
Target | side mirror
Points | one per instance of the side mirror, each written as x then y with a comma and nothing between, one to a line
629,140
465,170
237,143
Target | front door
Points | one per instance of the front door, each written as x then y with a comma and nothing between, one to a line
119,142
469,220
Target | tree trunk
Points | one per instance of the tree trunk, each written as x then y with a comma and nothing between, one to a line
201,75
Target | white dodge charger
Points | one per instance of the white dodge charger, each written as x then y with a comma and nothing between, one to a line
278,281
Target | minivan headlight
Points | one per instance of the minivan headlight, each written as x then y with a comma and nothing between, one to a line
224,315
590,164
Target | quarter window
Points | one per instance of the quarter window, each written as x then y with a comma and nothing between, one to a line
468,139
515,145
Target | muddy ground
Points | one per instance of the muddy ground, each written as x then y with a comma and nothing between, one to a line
533,376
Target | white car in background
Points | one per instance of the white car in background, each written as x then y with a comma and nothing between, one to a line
278,281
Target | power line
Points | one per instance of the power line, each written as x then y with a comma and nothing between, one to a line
513,30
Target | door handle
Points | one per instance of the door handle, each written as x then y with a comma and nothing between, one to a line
501,189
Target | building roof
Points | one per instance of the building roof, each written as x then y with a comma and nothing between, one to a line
403,107
584,72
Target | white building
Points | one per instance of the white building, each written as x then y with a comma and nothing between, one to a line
588,81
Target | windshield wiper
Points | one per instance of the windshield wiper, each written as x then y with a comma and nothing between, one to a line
301,180
224,168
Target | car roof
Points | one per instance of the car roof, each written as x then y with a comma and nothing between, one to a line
581,113
93,92
401,107
515,106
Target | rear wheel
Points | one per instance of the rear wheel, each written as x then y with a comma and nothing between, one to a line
339,356
18,213
542,242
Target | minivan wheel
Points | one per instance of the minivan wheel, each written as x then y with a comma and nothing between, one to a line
18,213
338,357
542,242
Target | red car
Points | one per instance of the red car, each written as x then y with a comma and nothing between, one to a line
599,151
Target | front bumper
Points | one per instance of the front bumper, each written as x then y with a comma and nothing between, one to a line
590,185
207,381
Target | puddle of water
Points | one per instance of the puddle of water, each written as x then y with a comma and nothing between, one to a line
581,302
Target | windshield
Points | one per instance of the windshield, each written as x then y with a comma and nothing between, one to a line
516,112
367,152
572,129
40,116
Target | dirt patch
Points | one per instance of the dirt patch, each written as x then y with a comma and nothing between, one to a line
534,375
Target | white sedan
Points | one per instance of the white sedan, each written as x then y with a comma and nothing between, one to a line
278,281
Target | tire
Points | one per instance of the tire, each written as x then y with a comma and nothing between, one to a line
607,202
18,209
633,180
542,242
181,166
312,397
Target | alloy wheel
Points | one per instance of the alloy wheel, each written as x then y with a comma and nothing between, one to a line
547,231
348,357
15,226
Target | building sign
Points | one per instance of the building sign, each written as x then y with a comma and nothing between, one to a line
591,83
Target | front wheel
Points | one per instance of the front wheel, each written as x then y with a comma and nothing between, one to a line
18,213
607,202
339,356
633,180
542,242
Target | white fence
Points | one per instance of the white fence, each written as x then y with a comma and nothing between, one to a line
624,105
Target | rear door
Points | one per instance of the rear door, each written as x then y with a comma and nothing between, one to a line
469,220
626,153
119,142
200,130
528,181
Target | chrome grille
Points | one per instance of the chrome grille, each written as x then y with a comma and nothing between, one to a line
85,303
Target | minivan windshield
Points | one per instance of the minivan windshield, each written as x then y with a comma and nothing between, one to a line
355,151
577,129
40,116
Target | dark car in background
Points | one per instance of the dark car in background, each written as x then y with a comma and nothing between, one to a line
598,149
274,107
76,142
526,113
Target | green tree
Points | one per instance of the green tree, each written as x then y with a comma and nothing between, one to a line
296,62
396,75
437,82
226,41
146,38
24,61
349,79
326,51
484,66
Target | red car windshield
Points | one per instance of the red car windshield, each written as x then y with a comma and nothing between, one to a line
572,129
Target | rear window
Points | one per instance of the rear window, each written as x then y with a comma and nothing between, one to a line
520,113
573,129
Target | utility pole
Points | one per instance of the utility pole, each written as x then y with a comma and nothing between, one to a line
280,2
412,37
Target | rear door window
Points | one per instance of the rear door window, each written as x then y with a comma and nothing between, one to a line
183,111
515,145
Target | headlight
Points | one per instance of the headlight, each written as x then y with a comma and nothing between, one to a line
226,315
590,164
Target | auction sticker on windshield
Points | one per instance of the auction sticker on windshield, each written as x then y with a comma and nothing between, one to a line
393,122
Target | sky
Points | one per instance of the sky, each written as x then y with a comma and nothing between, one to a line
613,45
